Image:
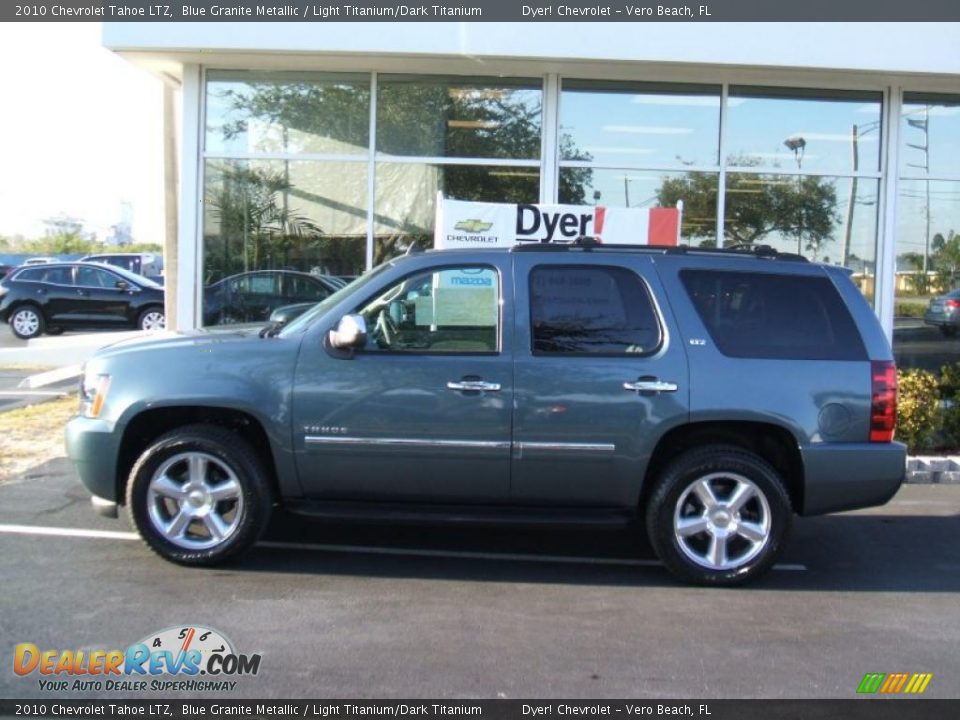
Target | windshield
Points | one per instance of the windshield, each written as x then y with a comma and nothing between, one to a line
320,308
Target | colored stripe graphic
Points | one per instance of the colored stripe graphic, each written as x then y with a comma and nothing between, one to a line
894,683
870,683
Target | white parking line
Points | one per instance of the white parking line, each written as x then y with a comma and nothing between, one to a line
369,549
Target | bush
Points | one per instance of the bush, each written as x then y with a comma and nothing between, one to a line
918,409
909,309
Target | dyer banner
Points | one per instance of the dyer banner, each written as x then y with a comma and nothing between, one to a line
463,224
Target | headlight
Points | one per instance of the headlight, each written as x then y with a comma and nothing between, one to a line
93,391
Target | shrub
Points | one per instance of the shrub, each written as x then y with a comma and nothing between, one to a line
918,409
950,394
909,309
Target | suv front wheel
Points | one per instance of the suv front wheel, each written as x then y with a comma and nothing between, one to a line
198,495
719,515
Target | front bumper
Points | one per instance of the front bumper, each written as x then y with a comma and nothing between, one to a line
847,476
93,446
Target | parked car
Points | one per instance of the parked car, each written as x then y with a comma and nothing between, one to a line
711,394
943,312
250,297
146,264
59,296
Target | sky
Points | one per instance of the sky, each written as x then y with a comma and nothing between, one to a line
81,132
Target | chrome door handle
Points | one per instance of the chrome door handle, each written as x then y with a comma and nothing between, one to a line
474,385
650,386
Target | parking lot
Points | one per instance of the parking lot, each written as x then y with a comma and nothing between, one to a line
339,610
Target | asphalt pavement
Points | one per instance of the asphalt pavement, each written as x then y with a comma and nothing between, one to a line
341,610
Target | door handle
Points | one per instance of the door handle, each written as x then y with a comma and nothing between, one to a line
474,385
650,385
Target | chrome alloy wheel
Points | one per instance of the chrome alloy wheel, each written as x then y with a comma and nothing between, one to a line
722,521
26,322
153,320
195,501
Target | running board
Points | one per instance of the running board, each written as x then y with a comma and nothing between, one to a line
459,514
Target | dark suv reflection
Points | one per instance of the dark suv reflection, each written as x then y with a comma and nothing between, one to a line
251,297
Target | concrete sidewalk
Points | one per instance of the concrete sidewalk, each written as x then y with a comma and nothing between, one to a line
67,350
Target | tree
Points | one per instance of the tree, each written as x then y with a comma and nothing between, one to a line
420,119
257,227
804,207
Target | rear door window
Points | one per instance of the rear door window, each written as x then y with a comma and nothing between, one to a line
591,310
767,315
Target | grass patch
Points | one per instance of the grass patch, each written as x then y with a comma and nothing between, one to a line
32,435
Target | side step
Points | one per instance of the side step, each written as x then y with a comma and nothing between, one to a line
459,514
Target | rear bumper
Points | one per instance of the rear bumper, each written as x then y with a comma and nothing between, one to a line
847,476
92,445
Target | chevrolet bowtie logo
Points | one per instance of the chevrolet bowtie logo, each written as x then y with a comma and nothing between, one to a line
473,225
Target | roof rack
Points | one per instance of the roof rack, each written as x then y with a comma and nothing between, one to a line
590,244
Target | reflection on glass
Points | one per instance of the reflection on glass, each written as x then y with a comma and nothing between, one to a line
294,215
926,330
425,116
287,112
930,135
817,130
405,206
649,189
634,125
832,220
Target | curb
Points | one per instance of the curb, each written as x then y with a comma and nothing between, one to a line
50,377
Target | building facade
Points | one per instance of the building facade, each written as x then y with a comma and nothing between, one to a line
321,147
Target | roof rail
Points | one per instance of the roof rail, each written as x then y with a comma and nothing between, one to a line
588,244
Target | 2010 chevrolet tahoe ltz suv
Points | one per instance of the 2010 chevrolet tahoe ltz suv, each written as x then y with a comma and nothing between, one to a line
711,394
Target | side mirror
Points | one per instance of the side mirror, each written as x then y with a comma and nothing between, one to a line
122,285
351,332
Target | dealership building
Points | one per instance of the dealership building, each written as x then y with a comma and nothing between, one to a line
323,146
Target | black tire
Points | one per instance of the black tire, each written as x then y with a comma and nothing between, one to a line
686,551
147,318
26,322
229,453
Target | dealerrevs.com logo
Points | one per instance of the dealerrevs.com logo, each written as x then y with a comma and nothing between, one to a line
190,658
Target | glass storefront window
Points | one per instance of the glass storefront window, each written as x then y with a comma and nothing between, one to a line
441,116
930,135
303,215
640,124
649,189
405,206
827,219
287,112
814,130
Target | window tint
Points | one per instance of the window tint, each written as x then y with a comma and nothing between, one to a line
301,289
33,274
92,277
764,315
441,311
57,275
596,310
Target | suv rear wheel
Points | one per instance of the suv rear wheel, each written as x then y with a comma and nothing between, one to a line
198,495
719,515
27,322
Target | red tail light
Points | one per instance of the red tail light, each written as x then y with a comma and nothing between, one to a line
883,406
952,303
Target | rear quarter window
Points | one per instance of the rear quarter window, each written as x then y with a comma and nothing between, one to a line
773,316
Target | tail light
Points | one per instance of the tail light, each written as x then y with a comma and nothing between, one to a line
952,304
883,404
